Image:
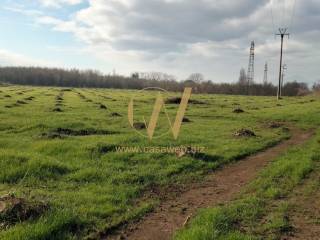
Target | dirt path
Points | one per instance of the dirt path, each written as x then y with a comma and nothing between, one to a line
304,216
218,187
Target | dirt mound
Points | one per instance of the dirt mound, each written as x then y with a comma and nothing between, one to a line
244,133
57,110
275,125
102,106
238,110
21,102
186,120
101,149
14,210
177,100
115,114
64,132
139,125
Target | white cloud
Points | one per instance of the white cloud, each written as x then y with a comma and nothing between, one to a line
8,58
59,3
20,9
182,36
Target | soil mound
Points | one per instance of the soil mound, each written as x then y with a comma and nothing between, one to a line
244,133
177,100
139,126
275,125
102,106
64,132
115,114
238,110
186,120
14,210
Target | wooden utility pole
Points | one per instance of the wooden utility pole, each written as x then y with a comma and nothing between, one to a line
282,32
284,68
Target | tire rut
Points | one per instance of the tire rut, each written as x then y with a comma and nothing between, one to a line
218,187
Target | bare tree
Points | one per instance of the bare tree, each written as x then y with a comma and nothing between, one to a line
316,86
196,77
76,78
243,77
135,75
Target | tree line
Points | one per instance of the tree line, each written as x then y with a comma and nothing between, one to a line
38,76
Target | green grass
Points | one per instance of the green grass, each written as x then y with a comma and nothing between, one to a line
261,211
100,188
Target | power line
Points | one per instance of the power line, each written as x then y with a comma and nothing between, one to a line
293,14
283,12
272,16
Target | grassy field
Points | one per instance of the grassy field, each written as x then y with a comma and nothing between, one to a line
58,154
262,211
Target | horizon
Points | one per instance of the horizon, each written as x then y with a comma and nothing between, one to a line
205,80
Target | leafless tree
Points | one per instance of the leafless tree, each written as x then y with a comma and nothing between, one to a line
196,77
243,77
75,78
316,86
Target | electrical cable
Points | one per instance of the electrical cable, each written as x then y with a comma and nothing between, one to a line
293,14
272,16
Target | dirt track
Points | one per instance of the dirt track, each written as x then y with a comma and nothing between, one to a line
218,187
304,216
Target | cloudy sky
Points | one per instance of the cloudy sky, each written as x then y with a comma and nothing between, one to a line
173,36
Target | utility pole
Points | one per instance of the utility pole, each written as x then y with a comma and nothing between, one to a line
282,32
250,73
265,77
284,68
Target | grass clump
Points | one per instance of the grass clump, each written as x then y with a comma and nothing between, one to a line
53,226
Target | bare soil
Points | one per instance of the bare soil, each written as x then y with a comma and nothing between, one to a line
64,132
305,215
218,187
14,210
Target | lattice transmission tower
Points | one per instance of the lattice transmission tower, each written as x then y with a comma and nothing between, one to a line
250,73
265,77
